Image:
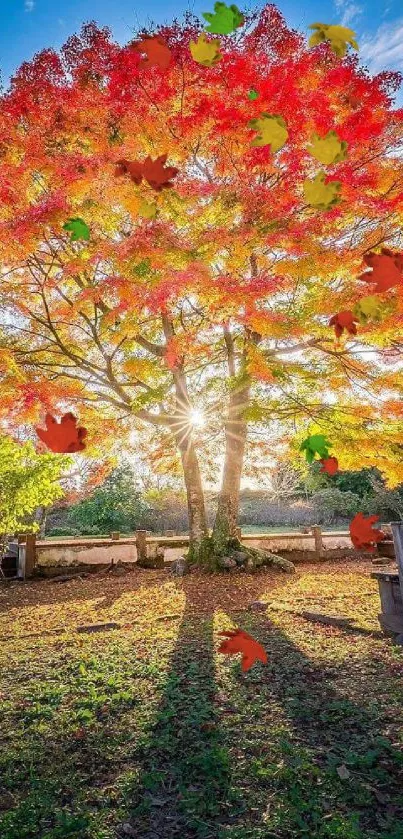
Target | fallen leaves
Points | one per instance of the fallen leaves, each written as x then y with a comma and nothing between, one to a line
362,534
339,37
272,131
224,19
64,437
386,269
239,641
205,52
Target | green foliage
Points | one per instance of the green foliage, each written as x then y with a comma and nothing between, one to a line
27,480
116,505
336,504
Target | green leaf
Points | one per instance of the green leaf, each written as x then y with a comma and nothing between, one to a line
224,20
78,228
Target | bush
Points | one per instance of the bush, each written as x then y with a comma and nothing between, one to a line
332,504
63,531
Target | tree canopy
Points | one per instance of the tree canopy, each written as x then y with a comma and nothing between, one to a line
170,242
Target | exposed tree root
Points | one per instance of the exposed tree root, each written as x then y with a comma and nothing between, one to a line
234,555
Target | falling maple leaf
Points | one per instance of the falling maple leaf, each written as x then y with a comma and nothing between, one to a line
328,149
157,174
338,36
387,269
157,52
272,131
239,641
147,210
362,535
344,320
64,437
320,195
368,308
132,168
204,51
329,465
315,444
78,229
224,19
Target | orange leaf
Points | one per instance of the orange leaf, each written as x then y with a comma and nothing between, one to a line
344,320
62,437
157,52
329,465
386,271
132,168
157,174
239,641
362,535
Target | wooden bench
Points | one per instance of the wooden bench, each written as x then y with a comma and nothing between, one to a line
391,617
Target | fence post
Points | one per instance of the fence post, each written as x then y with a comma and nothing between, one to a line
317,534
141,546
29,548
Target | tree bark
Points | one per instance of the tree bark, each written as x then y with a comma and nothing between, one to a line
182,429
194,490
226,521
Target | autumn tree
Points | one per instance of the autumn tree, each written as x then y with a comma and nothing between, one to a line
196,311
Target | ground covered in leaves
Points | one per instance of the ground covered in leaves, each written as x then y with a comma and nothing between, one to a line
146,731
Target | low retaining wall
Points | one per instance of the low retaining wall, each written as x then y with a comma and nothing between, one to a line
154,551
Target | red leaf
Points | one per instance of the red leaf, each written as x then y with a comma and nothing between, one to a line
157,174
63,437
329,465
239,641
157,52
344,320
362,535
132,168
387,268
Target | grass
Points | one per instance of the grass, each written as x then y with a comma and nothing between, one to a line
148,726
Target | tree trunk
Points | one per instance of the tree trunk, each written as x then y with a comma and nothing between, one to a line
226,520
194,489
182,429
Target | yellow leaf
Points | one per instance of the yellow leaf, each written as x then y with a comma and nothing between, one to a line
272,131
204,51
321,195
338,36
328,149
147,210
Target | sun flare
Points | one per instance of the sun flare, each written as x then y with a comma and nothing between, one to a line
197,418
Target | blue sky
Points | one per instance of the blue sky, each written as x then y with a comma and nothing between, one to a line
28,26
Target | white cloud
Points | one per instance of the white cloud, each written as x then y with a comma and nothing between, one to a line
348,10
29,5
384,49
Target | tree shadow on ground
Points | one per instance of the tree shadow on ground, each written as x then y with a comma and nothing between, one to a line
105,586
209,772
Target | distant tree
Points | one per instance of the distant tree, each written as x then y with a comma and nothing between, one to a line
116,505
